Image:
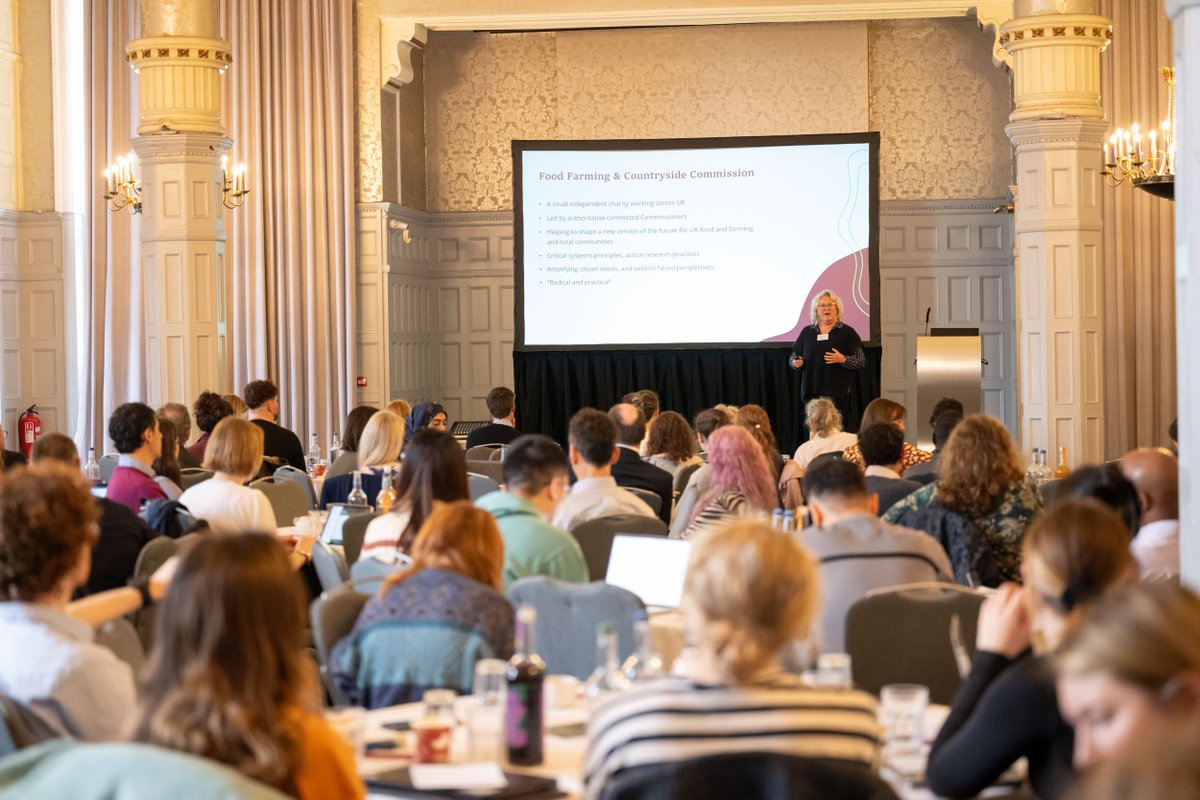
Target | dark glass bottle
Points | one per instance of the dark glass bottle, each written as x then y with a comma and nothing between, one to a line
523,719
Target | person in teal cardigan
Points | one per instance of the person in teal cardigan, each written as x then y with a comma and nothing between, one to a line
535,478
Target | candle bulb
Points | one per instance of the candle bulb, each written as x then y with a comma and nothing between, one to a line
1106,162
1137,145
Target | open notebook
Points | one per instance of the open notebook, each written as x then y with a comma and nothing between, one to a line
652,567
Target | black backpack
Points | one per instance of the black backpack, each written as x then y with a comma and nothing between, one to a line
169,518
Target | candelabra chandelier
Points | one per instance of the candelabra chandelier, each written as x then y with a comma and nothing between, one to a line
233,186
121,188
1125,152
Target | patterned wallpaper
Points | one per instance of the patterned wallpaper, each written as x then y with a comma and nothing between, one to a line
901,77
369,171
36,115
412,138
936,99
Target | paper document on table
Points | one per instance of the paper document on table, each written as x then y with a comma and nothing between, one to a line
431,777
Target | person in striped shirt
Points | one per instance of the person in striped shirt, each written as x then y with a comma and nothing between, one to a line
750,591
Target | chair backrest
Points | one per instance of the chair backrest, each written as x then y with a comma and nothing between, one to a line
683,475
108,465
595,537
484,452
190,476
152,556
755,774
492,469
652,499
330,565
332,616
567,616
20,727
354,531
917,633
287,498
120,636
301,479
480,485
368,573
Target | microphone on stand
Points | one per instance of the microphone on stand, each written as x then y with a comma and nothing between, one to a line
927,310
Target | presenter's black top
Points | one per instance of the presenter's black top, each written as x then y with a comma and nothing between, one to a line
819,379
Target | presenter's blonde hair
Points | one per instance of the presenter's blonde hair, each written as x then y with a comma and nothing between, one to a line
812,311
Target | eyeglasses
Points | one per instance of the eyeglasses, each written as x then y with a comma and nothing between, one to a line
826,305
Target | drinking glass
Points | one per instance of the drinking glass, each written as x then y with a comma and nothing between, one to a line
902,714
350,723
489,685
839,664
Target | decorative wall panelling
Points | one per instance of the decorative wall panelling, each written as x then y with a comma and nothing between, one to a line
954,257
450,302
33,353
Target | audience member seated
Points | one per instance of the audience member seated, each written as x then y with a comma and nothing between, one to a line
10,458
1007,707
1105,483
742,483
943,425
356,422
429,624
858,552
424,415
825,434
166,467
178,414
1154,471
983,480
228,679
234,455
48,660
698,485
536,479
629,470
123,534
754,419
210,408
749,592
1162,766
879,411
648,403
382,440
1130,668
881,447
280,446
434,469
501,404
592,439
133,429
400,408
237,405
671,444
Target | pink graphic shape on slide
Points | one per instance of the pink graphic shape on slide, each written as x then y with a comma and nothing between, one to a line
839,277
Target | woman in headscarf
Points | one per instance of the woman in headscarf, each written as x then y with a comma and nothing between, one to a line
426,414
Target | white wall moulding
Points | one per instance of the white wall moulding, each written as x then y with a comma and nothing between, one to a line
1056,64
179,79
398,39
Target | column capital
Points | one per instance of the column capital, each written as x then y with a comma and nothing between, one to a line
179,82
1056,64
398,38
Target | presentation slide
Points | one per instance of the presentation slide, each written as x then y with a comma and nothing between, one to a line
687,246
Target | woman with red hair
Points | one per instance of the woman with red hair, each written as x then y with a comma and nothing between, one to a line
743,481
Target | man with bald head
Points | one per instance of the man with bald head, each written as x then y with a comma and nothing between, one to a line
1155,473
630,470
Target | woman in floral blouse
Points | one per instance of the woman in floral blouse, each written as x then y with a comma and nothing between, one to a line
980,477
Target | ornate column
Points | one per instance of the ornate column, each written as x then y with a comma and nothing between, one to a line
180,142
1057,128
1185,22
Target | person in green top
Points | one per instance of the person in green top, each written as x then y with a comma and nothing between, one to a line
536,479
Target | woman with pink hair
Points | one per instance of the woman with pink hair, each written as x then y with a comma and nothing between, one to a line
743,482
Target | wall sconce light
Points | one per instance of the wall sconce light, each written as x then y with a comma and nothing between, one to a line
233,187
121,188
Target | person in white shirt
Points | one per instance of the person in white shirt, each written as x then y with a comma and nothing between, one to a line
824,423
1154,471
592,436
48,660
234,454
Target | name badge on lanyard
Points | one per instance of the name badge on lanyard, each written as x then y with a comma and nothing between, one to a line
822,337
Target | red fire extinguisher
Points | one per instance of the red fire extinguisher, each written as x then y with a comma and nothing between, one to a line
30,427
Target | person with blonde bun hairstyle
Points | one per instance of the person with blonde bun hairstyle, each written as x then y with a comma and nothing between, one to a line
749,593
1007,708
1130,668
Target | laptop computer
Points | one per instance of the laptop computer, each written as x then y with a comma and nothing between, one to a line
652,567
338,514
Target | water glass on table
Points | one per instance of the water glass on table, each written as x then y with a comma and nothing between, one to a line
435,728
349,722
902,714
485,717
